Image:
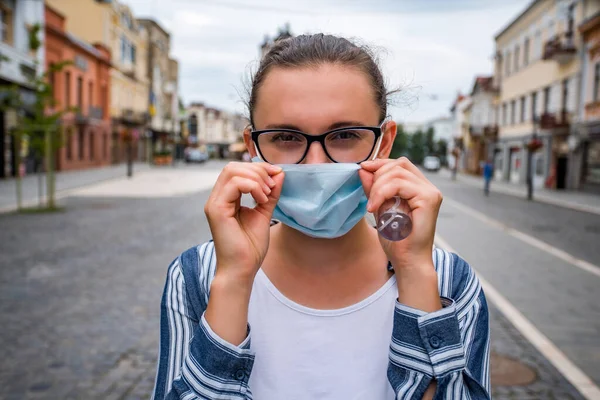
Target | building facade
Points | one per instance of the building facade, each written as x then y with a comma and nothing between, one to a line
220,132
112,24
538,71
586,146
163,76
18,66
479,139
83,86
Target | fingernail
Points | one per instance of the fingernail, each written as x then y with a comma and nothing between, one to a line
270,182
369,206
276,168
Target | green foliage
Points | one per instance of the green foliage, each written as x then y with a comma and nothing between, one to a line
401,143
34,42
417,147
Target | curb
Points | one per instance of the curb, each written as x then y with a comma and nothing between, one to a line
61,194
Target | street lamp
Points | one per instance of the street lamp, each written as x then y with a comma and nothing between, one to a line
532,146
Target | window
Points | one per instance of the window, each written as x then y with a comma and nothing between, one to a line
127,51
80,93
523,109
526,52
517,51
52,80
533,106
91,144
132,56
90,94
596,94
565,94
80,142
507,64
504,118
537,45
6,25
67,89
513,113
123,48
546,100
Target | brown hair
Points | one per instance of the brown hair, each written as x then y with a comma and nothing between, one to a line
315,50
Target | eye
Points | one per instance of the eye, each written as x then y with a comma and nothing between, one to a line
345,135
285,137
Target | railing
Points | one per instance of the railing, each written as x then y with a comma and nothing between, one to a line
560,48
560,119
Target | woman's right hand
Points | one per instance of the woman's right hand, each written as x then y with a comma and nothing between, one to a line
241,234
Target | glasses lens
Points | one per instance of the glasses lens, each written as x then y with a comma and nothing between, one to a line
282,147
351,145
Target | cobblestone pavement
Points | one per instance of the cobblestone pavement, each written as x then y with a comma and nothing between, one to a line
80,294
64,181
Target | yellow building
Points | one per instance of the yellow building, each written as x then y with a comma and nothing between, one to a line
113,24
538,71
587,144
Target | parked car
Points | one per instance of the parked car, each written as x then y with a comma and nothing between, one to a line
195,155
432,163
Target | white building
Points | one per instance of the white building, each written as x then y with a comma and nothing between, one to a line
216,129
18,65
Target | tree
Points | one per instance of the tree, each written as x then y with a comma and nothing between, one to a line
430,140
441,150
40,124
401,143
417,147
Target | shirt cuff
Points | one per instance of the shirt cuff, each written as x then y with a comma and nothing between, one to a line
213,362
428,343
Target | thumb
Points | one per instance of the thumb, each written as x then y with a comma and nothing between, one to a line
268,207
366,178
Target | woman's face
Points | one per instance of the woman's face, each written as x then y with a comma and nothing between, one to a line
316,100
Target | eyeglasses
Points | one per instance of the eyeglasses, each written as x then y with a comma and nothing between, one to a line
353,144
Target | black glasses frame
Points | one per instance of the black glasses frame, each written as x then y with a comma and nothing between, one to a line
318,138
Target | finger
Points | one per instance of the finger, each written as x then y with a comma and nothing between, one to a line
258,174
266,170
394,169
267,208
407,164
402,188
237,186
367,179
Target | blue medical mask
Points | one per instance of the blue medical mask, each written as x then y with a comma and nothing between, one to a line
321,200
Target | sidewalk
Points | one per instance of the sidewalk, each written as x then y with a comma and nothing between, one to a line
65,181
570,199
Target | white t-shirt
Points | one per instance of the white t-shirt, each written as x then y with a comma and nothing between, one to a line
304,353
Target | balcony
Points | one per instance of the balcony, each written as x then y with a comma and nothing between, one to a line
134,117
560,48
487,131
557,120
94,113
592,110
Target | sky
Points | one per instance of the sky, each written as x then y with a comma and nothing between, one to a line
430,49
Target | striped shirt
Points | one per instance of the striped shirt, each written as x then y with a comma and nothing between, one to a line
450,345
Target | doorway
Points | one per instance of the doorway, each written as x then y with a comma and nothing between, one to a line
561,172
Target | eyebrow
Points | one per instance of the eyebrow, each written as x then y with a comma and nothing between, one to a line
331,127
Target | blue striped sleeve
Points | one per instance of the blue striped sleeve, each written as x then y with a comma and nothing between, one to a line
450,346
193,362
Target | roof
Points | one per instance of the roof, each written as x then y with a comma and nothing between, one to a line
590,23
151,21
484,82
518,18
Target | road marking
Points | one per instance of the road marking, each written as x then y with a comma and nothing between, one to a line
563,255
561,362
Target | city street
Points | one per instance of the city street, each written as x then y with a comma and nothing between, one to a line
80,289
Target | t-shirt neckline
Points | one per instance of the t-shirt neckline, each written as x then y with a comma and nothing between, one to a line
264,279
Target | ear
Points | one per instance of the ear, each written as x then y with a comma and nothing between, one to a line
389,135
248,141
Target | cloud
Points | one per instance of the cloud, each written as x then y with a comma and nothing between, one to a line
432,47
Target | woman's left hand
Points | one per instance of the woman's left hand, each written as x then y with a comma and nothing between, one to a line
383,179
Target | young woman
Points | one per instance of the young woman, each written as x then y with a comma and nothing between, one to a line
319,305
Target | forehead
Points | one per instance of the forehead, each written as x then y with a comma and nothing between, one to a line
313,98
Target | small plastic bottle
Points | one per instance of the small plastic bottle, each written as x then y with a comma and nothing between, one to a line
392,222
